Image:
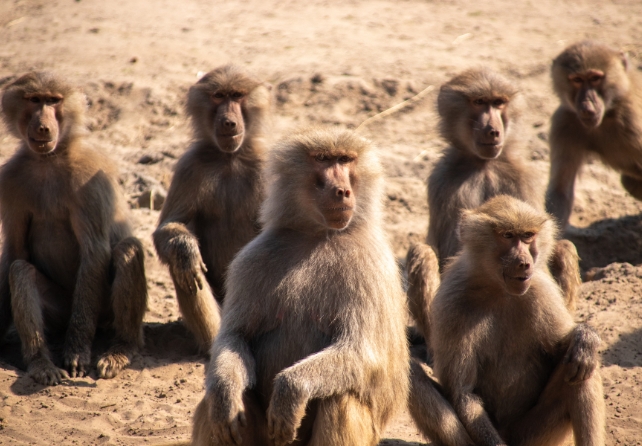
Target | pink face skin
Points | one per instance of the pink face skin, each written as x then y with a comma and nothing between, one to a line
39,126
488,128
586,89
333,189
518,253
228,125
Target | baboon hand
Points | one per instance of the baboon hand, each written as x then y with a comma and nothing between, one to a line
226,421
285,412
190,276
77,363
44,372
581,358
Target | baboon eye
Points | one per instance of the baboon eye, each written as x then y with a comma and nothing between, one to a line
344,159
479,102
218,95
35,100
508,234
53,101
499,102
528,236
594,79
320,157
237,94
576,80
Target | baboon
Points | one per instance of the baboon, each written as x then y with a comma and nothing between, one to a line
478,111
212,206
312,348
69,262
511,360
600,113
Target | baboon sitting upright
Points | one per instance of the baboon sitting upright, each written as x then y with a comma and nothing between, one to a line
69,261
312,344
212,206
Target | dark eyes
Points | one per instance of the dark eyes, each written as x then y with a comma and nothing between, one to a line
344,159
48,101
498,102
479,102
508,235
218,95
237,94
233,95
320,157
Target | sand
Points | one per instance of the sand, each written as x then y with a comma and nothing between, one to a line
135,60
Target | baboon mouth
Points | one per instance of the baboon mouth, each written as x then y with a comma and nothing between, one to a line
591,123
342,209
41,141
230,135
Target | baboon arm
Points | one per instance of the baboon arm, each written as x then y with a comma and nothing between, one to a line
92,233
458,374
232,371
335,370
175,219
14,227
567,156
471,411
232,363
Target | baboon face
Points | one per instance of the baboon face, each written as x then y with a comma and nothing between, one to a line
228,126
586,91
487,125
332,189
517,253
41,121
589,78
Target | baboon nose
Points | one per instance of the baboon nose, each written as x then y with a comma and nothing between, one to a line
340,192
493,133
43,129
229,123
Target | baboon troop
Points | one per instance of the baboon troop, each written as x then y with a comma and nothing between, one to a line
284,273
212,206
600,113
320,359
69,262
478,111
510,358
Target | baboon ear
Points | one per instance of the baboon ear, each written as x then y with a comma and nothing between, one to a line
624,56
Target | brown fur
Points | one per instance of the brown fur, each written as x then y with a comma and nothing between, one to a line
472,106
212,206
312,341
512,362
69,261
612,128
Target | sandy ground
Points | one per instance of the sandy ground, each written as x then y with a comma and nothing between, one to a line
135,60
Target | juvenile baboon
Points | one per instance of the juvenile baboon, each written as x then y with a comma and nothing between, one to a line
512,362
478,111
600,114
212,206
312,344
69,262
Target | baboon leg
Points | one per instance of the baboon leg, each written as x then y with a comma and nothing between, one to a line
254,433
565,268
343,420
432,413
33,298
201,314
632,186
129,302
563,408
422,267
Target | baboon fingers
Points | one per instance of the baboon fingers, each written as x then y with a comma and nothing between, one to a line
77,364
44,372
110,364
